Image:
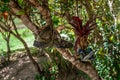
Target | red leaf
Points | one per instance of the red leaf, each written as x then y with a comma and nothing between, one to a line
77,22
80,30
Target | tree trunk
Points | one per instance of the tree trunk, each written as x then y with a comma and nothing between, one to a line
8,46
110,4
6,37
8,50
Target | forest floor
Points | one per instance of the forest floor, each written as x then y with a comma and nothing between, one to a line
20,68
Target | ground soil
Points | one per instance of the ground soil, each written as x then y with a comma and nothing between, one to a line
20,68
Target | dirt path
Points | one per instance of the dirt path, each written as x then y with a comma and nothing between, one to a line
19,69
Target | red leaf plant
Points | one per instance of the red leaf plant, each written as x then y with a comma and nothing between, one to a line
81,31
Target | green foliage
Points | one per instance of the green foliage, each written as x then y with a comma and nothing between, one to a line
20,12
2,53
15,43
55,20
49,72
4,8
38,77
20,1
107,56
3,5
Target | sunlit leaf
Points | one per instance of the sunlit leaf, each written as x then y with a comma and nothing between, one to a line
111,38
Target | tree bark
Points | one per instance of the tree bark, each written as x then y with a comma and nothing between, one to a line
83,66
8,47
44,11
25,19
110,4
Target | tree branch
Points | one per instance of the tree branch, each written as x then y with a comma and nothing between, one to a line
88,8
44,11
25,19
83,66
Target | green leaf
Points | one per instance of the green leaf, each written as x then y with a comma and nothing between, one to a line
111,38
20,12
20,1
55,20
4,8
